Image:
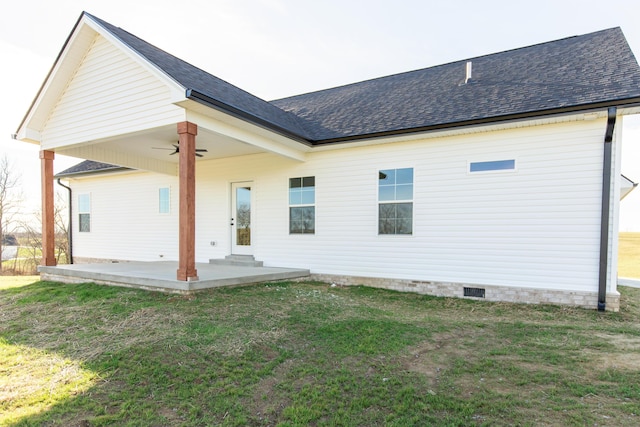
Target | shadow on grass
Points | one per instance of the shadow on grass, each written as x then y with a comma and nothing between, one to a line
299,354
231,357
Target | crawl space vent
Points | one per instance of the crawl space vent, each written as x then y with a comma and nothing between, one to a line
474,292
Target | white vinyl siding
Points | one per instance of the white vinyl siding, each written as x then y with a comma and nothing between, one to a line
125,223
537,228
109,94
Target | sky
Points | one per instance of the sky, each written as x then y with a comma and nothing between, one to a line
278,48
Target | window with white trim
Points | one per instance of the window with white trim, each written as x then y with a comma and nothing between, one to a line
395,201
493,165
164,200
84,213
302,205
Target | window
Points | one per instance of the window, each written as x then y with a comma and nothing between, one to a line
302,210
164,200
495,165
395,201
84,213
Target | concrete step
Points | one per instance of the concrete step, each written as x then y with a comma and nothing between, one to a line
239,260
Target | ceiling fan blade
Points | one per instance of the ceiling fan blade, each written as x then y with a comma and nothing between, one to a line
176,150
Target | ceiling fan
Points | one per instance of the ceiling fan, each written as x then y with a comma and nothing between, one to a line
176,150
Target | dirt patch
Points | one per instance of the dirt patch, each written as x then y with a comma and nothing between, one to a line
625,357
624,361
431,358
267,403
171,415
622,342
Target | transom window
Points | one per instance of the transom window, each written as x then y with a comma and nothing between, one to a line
395,201
84,213
302,209
493,165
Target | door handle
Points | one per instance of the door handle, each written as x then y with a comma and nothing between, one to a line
232,221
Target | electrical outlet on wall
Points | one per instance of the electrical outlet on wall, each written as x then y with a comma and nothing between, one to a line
213,243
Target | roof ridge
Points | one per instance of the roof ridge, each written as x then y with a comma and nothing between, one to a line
587,71
445,64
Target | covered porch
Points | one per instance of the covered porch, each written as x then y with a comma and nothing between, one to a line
113,98
161,275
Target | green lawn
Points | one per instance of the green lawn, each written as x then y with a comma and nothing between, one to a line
297,354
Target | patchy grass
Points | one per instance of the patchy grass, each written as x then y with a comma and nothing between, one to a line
294,354
629,255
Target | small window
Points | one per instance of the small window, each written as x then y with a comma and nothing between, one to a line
494,165
164,200
302,209
395,201
84,213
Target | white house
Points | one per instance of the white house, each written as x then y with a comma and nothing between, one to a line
495,177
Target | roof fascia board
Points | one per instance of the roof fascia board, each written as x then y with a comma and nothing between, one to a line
247,136
113,170
626,187
243,115
30,135
177,90
52,86
630,107
470,129
627,111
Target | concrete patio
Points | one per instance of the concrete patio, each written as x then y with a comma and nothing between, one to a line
161,275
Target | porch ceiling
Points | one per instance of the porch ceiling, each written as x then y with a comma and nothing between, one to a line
158,144
151,149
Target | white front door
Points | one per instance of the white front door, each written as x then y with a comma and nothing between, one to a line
241,218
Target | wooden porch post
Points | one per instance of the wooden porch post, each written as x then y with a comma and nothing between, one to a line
48,224
187,132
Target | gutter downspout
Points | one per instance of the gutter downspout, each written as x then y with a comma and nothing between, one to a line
605,214
69,231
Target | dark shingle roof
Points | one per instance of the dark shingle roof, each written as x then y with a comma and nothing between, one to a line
88,167
576,71
592,70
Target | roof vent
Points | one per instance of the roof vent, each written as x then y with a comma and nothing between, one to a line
469,68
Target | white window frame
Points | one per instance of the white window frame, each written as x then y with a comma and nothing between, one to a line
396,201
301,205
492,171
160,205
83,211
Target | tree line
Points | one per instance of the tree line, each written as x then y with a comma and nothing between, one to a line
21,228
